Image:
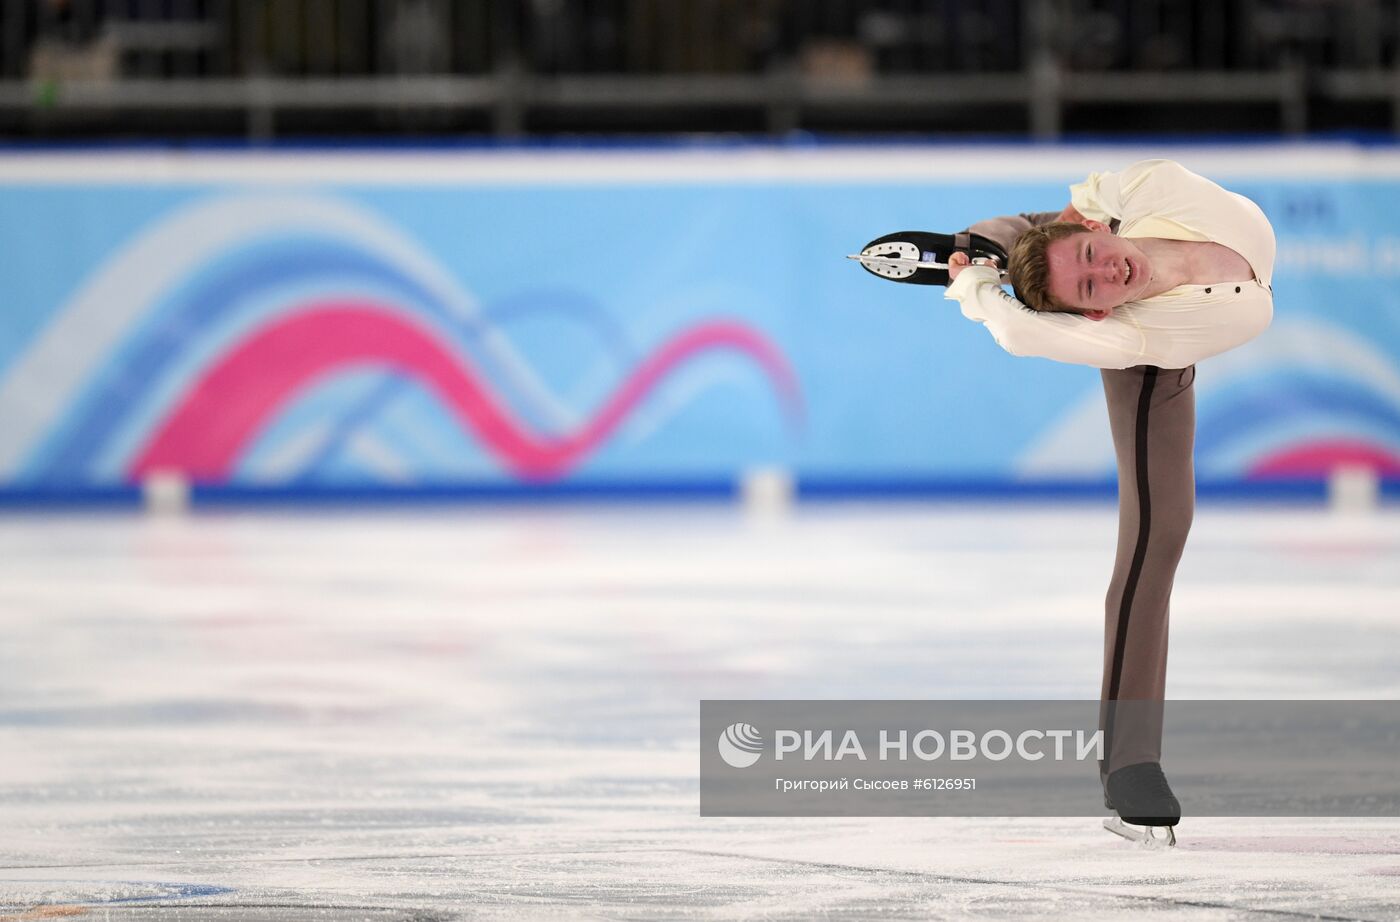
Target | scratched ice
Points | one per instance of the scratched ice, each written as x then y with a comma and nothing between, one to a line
482,713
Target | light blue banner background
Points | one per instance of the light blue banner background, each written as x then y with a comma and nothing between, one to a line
583,282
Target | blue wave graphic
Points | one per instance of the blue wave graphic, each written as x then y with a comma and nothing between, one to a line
1282,400
120,389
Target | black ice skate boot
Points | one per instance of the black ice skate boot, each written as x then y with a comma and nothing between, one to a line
1142,797
921,257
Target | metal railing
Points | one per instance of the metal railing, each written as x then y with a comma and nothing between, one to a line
513,66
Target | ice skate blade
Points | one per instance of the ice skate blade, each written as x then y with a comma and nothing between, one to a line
895,264
1142,835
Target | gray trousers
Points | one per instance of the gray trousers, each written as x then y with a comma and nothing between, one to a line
1152,415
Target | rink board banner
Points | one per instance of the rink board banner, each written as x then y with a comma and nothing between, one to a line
288,321
1043,758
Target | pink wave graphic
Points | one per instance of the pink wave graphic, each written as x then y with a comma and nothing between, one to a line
1317,459
205,434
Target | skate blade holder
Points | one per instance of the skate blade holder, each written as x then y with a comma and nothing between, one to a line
1145,836
921,257
899,260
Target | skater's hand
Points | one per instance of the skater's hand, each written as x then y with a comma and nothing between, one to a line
957,262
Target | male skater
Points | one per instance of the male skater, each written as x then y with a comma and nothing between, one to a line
1146,272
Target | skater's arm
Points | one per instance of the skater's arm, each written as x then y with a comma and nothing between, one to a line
1148,186
1110,343
1101,195
1114,342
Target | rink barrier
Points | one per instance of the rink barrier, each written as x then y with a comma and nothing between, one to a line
808,490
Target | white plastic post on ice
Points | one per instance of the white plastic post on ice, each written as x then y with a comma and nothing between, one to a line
767,492
166,492
1353,488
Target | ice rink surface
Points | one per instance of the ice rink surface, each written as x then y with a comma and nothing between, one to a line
492,712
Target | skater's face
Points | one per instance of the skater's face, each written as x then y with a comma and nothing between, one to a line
1096,272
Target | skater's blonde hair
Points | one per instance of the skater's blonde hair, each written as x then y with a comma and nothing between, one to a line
1029,266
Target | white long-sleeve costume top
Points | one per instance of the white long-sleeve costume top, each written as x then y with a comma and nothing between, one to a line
1153,198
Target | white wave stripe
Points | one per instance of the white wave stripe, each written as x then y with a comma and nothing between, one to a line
1082,445
290,457
47,377
1314,346
1079,445
675,395
380,457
